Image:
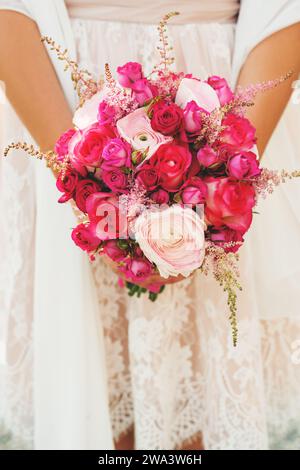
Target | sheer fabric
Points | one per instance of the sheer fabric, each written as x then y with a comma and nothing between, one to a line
172,371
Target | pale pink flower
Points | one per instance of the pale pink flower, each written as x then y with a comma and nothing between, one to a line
203,94
172,238
136,129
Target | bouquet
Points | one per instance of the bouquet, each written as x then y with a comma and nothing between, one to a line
162,171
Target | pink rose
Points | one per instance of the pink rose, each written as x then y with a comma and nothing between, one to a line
67,184
86,115
62,145
243,165
229,203
172,238
115,179
191,89
238,135
160,197
172,163
166,118
222,88
88,150
84,189
83,238
106,113
226,235
147,176
136,129
75,139
192,116
142,91
194,191
112,249
138,269
107,221
129,73
207,157
116,153
155,287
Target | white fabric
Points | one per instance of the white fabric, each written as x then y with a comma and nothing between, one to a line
182,342
194,11
68,343
258,20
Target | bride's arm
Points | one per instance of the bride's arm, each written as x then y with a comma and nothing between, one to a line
271,58
30,79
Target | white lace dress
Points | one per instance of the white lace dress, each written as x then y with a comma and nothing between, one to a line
172,371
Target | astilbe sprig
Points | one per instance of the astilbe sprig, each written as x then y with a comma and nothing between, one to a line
118,97
224,268
50,157
248,93
164,48
268,180
85,85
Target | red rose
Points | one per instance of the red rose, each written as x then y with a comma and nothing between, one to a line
167,118
67,184
229,203
116,180
148,176
107,221
83,190
239,134
172,163
88,150
82,236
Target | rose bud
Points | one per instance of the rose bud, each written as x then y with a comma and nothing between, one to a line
67,184
160,197
222,88
84,189
207,157
142,91
112,249
106,113
138,269
226,235
129,73
194,191
82,237
243,165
